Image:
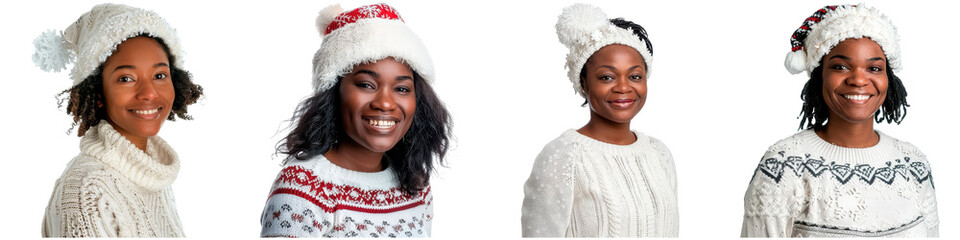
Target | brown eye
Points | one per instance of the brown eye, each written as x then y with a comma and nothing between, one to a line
124,79
160,76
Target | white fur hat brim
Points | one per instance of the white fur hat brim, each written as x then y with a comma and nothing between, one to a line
90,40
585,29
844,23
364,41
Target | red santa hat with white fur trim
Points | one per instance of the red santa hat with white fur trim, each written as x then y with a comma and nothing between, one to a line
831,25
365,34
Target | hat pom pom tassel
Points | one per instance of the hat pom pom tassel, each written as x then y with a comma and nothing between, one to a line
326,16
51,54
578,22
796,62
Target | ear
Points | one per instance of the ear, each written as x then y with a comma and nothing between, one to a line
583,84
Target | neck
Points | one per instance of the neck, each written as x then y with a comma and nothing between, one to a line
138,141
607,131
350,155
847,134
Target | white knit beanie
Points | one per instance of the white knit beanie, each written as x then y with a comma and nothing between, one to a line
362,35
584,29
831,25
90,40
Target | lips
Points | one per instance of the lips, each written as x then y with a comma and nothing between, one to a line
857,97
381,122
146,113
622,103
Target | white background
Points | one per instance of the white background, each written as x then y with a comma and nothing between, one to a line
718,97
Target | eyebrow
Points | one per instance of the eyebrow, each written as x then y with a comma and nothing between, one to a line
613,68
374,74
848,58
162,64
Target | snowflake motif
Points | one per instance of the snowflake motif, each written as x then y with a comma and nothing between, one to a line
370,10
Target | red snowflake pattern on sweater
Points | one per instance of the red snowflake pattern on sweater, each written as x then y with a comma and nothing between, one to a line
330,196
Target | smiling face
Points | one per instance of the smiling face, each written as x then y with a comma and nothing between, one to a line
377,104
137,89
854,80
616,83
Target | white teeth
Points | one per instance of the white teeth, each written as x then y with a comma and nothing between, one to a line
857,97
146,112
381,123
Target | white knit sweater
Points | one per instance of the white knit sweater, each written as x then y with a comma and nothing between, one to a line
582,187
807,187
113,189
315,198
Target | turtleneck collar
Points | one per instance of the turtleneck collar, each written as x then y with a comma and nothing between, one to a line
154,169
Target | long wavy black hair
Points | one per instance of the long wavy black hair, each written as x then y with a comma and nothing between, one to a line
624,24
815,112
83,101
317,127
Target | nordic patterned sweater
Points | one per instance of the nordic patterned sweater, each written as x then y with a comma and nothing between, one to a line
315,198
807,187
114,189
582,187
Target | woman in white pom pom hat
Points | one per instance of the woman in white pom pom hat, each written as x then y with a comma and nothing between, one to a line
127,80
839,176
360,155
603,180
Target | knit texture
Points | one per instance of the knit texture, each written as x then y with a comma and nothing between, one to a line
113,189
315,198
581,187
807,187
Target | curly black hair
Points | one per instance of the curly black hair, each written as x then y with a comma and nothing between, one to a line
83,101
815,111
318,128
628,25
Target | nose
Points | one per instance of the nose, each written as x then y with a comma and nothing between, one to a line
383,100
147,90
622,86
858,78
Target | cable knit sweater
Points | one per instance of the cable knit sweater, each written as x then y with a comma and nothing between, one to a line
314,198
807,187
113,189
582,187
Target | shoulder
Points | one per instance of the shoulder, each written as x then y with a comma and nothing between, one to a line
567,143
655,143
792,144
907,148
86,174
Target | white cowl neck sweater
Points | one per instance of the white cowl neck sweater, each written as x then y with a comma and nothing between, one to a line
582,187
114,189
807,187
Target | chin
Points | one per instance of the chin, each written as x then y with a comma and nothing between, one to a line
380,145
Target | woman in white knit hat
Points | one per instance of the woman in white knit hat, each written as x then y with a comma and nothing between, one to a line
603,180
361,152
127,80
839,176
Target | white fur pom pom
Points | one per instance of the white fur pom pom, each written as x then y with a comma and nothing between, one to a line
326,17
50,53
796,62
578,22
